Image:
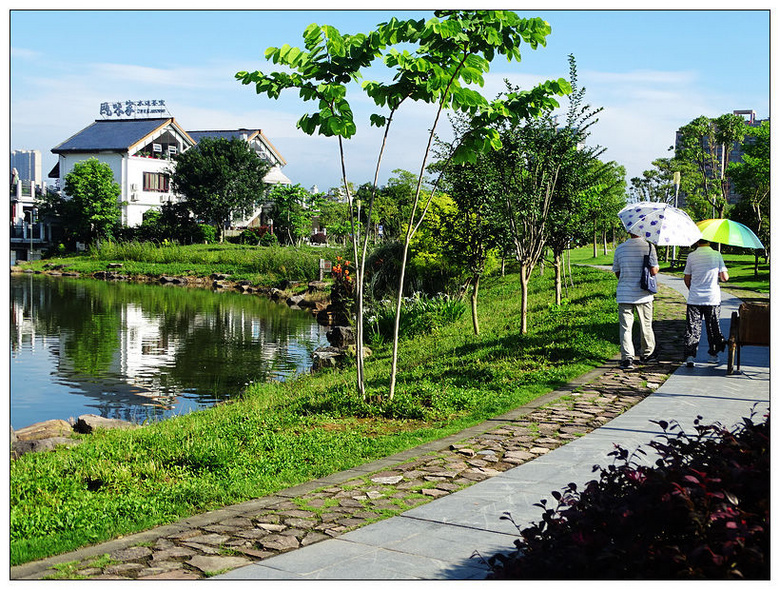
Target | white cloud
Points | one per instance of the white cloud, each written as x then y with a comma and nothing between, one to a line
27,54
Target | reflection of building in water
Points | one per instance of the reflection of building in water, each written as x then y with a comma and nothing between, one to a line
127,360
144,352
24,332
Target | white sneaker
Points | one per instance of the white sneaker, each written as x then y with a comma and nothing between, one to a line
689,361
713,358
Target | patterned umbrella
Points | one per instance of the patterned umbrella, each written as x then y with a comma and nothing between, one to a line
660,224
725,231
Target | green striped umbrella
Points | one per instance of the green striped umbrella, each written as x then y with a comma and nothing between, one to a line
725,231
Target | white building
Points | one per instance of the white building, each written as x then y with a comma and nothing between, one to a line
139,152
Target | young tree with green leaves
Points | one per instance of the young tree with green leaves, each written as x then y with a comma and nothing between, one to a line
527,171
292,211
334,217
608,198
221,180
477,224
702,153
90,210
440,57
577,190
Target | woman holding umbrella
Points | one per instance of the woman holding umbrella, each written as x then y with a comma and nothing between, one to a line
704,269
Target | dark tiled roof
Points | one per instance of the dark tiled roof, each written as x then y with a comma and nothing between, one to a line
110,135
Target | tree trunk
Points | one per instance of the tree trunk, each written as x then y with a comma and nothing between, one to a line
595,243
558,280
604,241
474,295
399,300
525,275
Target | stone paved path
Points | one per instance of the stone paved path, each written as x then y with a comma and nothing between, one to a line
238,535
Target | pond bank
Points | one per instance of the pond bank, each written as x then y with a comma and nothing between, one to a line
313,295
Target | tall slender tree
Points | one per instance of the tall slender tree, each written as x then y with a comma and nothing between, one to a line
751,178
449,52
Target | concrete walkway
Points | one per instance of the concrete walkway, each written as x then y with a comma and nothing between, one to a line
436,541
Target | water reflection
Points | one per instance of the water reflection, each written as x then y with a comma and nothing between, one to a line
138,352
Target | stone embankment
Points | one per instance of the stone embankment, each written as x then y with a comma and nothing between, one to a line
296,294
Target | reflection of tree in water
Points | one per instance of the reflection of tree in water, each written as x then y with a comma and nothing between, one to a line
152,351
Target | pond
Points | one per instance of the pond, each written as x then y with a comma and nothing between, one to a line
144,352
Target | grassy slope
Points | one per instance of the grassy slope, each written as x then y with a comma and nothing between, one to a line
281,434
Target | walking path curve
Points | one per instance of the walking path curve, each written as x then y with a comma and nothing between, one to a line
318,531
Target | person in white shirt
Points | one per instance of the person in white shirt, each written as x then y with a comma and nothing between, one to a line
627,266
704,268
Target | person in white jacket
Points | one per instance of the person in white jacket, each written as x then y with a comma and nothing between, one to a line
704,269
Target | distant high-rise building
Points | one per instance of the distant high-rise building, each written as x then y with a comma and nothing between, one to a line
28,165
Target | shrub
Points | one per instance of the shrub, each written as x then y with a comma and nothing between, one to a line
702,512
420,314
207,233
253,235
268,239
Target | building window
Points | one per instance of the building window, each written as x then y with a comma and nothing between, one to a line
156,182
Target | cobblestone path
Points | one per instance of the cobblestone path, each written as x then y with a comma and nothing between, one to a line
225,539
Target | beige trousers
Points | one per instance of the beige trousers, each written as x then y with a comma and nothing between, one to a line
644,312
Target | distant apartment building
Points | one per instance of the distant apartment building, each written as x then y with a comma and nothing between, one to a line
28,165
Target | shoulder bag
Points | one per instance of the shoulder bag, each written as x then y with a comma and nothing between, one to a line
648,281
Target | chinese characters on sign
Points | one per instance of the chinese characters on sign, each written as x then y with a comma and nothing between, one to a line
133,108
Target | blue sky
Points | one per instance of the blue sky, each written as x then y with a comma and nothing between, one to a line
651,70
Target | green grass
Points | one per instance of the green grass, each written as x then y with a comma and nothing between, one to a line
259,264
281,434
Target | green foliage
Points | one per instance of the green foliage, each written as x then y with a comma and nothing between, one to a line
208,233
294,208
751,177
700,512
334,216
702,152
449,52
657,184
221,180
91,209
172,222
269,239
420,314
